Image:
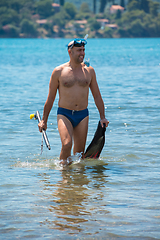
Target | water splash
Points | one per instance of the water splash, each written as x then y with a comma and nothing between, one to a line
39,162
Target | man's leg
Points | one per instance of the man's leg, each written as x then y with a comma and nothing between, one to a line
65,129
80,136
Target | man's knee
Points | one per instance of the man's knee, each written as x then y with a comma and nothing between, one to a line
67,145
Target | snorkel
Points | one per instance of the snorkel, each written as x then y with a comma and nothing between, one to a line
86,62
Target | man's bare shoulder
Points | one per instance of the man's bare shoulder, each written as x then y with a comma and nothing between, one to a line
61,67
57,71
90,69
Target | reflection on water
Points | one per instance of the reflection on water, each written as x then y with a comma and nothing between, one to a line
70,197
90,197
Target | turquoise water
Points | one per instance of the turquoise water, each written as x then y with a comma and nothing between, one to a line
116,197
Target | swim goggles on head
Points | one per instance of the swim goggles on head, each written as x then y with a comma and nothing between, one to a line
77,43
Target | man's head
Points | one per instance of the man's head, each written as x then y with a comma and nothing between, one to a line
77,43
76,50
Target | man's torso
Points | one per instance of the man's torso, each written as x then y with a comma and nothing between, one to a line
74,87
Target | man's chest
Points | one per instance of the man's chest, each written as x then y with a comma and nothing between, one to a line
75,78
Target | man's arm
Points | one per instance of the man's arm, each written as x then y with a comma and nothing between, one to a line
98,98
53,86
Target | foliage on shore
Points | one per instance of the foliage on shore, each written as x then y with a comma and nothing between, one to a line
43,19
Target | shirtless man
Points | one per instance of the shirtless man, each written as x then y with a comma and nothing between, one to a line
73,80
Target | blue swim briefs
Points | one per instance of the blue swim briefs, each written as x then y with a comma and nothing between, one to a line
75,117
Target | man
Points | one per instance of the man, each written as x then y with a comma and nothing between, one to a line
73,80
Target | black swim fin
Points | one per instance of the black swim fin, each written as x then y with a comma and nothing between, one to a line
96,146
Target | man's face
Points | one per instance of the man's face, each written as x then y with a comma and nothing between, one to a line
78,54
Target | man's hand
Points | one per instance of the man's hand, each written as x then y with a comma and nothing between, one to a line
104,121
42,125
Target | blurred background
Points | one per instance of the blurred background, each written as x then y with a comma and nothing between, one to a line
69,18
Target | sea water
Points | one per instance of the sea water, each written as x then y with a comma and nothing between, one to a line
115,197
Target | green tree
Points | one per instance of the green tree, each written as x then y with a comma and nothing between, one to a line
118,14
84,12
123,32
158,26
153,8
25,13
108,32
94,25
5,3
94,6
133,5
62,2
78,30
28,28
8,16
84,8
122,3
60,18
12,32
70,9
44,8
137,29
49,27
16,5
152,29
128,17
144,5
102,5
152,26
